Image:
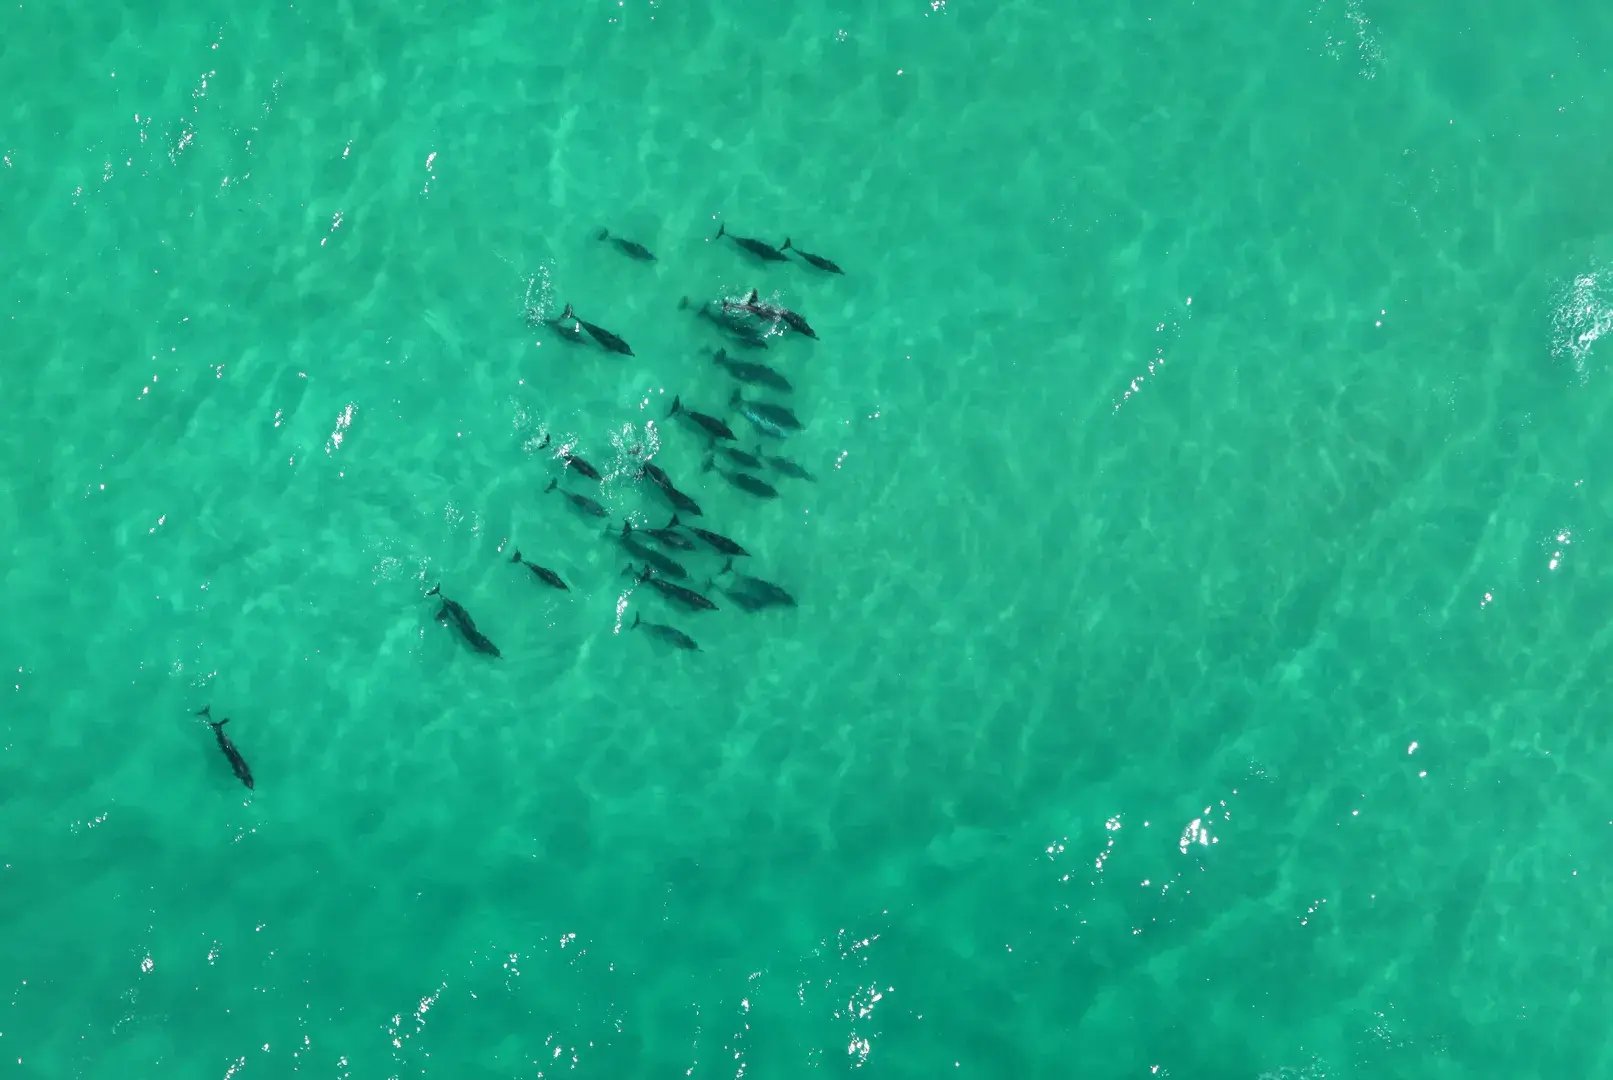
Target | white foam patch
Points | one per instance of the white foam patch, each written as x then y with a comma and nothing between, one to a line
1582,311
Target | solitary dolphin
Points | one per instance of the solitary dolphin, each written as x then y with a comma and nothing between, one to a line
716,540
599,333
643,254
714,427
452,612
543,572
816,260
666,633
238,763
581,502
760,248
769,419
745,371
744,481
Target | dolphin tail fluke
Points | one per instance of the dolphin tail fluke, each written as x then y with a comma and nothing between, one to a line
552,485
205,710
435,589
602,234
677,406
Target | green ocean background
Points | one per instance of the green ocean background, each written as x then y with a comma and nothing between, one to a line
1200,666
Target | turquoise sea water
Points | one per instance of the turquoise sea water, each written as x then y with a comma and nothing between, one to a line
1200,655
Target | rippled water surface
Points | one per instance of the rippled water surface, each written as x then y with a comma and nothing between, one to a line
1198,659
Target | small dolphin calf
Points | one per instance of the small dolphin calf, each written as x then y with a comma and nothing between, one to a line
744,481
452,612
581,502
816,260
599,333
666,633
238,763
759,248
542,572
745,371
682,594
717,540
714,427
642,253
769,419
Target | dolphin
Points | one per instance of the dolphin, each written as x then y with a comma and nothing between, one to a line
714,427
786,467
666,633
542,572
745,371
764,593
571,334
579,464
757,306
760,248
677,498
682,594
816,260
643,254
769,419
581,502
645,554
452,612
717,540
238,763
742,332
744,481
599,334
671,537
744,457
